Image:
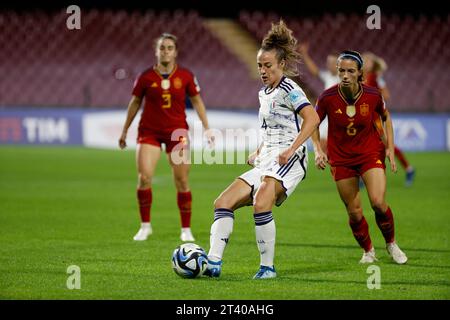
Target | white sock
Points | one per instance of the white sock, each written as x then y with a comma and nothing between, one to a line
265,237
145,225
221,230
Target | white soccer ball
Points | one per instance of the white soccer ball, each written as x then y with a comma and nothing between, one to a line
189,260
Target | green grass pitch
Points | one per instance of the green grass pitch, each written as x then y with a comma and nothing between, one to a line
74,206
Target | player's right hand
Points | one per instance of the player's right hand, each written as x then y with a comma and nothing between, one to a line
210,138
251,158
122,141
321,160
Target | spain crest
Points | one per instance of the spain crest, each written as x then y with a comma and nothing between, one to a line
364,109
177,83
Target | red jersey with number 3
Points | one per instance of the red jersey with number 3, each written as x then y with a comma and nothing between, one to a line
352,136
165,99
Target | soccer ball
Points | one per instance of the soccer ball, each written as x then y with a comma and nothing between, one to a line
189,260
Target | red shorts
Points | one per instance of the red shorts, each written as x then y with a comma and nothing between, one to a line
177,140
345,172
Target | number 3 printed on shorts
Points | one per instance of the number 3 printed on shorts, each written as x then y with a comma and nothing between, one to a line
167,100
350,130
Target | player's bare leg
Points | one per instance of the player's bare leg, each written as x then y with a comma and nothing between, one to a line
180,163
238,194
265,229
349,192
147,157
375,180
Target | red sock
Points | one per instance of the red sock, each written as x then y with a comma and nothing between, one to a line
401,157
184,200
145,202
386,224
360,231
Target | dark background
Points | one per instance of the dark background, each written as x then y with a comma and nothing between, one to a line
211,8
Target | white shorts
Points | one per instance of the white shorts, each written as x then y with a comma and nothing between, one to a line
289,174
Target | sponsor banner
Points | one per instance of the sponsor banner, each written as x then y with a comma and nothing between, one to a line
233,130
420,132
448,134
103,129
40,126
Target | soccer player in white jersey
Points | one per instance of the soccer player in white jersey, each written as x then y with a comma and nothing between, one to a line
287,120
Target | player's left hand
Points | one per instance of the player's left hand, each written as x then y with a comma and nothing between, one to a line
210,138
283,158
391,157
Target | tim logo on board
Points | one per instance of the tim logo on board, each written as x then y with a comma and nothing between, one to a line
410,134
46,130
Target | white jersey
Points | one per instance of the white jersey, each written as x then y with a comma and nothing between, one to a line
328,79
280,125
278,114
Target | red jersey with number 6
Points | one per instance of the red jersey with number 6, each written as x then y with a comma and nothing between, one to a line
352,136
165,99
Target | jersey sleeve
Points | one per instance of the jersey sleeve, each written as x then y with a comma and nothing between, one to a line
139,87
321,108
192,88
297,100
381,108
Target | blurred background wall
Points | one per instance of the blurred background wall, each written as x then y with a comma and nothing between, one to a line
44,64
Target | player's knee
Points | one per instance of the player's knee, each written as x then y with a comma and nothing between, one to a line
262,204
144,181
222,202
377,204
355,213
182,184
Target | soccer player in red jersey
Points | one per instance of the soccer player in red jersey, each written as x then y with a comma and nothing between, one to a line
355,149
374,67
163,121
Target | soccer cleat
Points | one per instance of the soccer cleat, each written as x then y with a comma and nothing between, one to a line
368,257
410,174
213,269
397,255
186,235
143,233
265,272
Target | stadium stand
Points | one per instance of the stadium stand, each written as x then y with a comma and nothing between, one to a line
49,65
45,64
415,49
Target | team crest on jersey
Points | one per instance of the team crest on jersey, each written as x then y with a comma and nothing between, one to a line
294,97
165,84
364,109
177,83
350,111
154,85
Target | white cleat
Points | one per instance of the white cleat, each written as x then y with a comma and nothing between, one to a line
144,232
368,257
186,235
397,255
